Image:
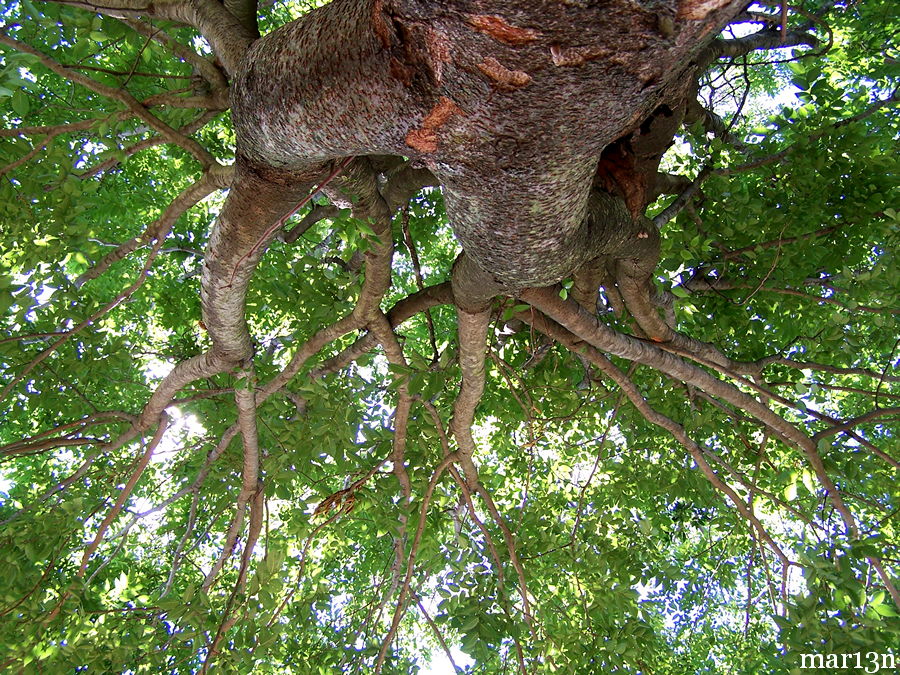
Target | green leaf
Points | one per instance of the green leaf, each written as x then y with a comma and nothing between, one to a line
20,103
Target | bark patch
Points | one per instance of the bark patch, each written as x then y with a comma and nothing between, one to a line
575,56
498,28
503,77
379,25
401,71
697,10
438,47
425,138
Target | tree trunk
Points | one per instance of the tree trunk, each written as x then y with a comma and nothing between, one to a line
509,105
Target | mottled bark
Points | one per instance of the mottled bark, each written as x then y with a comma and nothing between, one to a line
237,243
509,105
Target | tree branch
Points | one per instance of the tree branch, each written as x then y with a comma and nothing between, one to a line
217,177
225,33
570,316
135,106
768,38
126,492
627,386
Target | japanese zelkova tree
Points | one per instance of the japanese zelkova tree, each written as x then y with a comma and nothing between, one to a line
536,336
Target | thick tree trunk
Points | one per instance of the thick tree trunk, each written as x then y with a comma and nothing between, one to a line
509,105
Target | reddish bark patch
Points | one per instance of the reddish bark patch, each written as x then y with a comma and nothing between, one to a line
425,138
503,77
575,56
379,25
619,174
401,71
498,28
443,111
438,47
627,167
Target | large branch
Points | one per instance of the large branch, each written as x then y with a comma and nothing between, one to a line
225,33
413,78
767,38
245,401
573,318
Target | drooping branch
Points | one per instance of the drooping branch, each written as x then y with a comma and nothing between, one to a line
206,68
380,327
73,430
245,401
768,38
194,125
825,368
856,421
472,345
65,336
570,316
682,199
227,283
126,492
411,559
116,94
711,122
316,213
719,284
754,489
31,154
229,617
420,282
439,294
437,633
783,154
627,386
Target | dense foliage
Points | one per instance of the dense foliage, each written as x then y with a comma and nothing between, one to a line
598,542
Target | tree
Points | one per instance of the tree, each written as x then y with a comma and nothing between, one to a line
562,332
